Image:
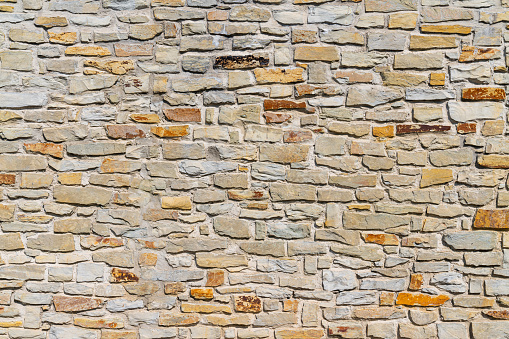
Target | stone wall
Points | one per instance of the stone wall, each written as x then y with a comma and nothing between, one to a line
288,169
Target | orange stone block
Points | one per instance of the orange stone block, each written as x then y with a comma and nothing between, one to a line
493,161
119,275
492,219
171,131
271,104
177,203
65,38
145,118
70,178
471,53
215,278
466,127
202,293
75,304
118,166
54,150
384,131
483,93
112,66
248,303
419,299
381,239
94,242
387,298
446,29
416,281
290,305
7,179
503,314
437,79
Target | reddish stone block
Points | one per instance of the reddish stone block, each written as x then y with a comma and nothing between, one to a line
276,118
248,303
466,127
54,150
416,281
381,239
7,179
120,275
503,314
271,105
75,304
183,114
406,129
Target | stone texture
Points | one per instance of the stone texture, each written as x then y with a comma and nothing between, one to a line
266,169
466,111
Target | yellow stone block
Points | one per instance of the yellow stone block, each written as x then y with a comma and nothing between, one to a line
403,20
177,203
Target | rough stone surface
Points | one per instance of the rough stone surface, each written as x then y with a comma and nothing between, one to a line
236,169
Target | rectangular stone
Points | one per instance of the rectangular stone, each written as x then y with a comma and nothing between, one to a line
22,163
22,99
390,5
